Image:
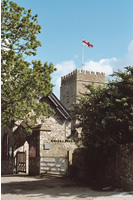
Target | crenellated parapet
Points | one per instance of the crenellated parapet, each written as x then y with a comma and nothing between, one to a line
69,77
83,75
75,83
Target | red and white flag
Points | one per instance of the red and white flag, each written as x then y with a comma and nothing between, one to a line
87,43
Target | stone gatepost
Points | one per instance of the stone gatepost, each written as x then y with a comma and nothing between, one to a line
34,153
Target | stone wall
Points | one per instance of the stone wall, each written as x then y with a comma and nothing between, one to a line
85,78
56,158
47,139
54,145
54,128
114,169
74,84
80,169
124,166
7,166
55,133
49,146
68,90
34,153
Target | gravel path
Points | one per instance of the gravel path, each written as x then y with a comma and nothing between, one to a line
15,187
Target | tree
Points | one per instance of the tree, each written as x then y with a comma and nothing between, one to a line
23,82
106,114
19,29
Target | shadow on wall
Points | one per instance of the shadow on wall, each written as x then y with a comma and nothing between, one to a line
113,169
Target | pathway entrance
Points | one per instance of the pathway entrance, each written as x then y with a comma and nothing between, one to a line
21,162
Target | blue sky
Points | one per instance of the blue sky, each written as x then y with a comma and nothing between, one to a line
107,24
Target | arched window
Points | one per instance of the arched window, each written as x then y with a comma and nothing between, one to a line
5,147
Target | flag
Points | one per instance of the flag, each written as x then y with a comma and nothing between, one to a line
87,43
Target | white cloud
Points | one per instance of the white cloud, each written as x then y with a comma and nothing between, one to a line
58,84
130,47
106,65
63,68
129,57
103,65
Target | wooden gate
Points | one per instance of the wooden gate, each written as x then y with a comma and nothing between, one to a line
54,165
21,162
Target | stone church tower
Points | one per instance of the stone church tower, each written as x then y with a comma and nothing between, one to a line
74,84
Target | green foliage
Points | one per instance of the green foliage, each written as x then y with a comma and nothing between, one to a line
23,83
106,114
19,29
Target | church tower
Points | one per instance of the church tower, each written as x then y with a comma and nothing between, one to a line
74,84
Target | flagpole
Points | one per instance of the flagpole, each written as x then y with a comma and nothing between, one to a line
82,53
89,45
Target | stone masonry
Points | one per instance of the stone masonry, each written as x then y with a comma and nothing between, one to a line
115,170
75,83
55,145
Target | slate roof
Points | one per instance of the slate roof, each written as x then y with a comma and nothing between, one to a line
59,106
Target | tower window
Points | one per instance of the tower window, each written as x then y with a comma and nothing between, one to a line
67,97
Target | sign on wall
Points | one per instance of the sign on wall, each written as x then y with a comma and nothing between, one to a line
46,146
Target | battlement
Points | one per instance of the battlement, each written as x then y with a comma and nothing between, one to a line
83,75
72,74
74,84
